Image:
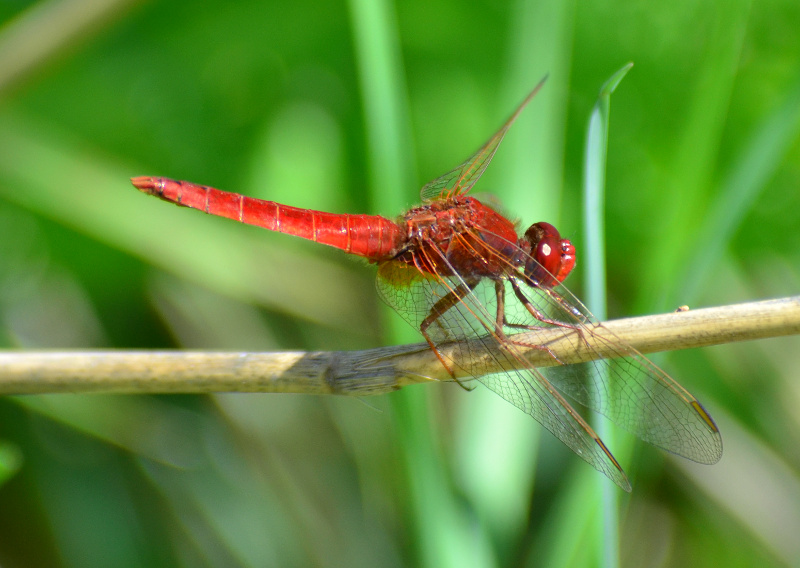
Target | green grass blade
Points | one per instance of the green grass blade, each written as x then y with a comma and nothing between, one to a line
440,531
594,255
595,275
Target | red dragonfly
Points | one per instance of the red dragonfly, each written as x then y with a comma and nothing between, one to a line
457,271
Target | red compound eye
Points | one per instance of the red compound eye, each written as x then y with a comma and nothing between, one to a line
554,256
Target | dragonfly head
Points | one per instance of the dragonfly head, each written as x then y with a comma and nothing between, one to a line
551,257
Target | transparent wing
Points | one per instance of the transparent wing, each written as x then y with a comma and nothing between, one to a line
629,389
461,179
526,388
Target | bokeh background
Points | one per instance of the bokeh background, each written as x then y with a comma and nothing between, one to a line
351,107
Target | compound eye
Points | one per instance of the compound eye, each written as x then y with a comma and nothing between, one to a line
554,256
548,262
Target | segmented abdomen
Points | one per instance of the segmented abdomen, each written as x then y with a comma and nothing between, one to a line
371,236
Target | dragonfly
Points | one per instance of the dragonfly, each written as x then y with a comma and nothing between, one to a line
457,270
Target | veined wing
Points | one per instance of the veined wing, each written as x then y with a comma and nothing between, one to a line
630,390
461,178
472,318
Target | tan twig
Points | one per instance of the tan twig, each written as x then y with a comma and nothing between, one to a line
367,372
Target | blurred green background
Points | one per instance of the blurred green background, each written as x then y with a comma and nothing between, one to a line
351,107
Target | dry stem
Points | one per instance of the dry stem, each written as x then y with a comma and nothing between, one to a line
371,371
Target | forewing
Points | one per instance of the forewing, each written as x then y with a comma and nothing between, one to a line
628,388
461,179
470,324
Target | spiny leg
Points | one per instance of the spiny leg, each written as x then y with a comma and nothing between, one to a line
534,311
438,309
500,292
541,317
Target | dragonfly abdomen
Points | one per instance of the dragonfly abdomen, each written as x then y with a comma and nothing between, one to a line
370,236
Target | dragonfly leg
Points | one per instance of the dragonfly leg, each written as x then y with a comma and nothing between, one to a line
501,321
538,315
542,318
438,310
534,311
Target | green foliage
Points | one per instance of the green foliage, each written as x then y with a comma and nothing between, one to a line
352,107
